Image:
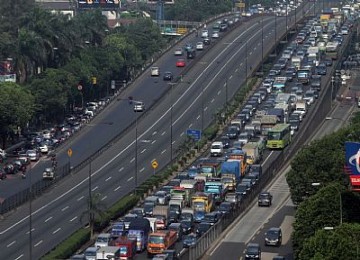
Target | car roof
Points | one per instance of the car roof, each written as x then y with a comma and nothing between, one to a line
275,229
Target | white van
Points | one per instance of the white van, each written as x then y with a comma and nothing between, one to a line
102,240
155,71
217,149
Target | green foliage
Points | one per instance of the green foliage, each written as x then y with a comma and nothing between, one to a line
340,243
69,246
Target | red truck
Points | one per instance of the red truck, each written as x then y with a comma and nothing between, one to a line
127,247
160,241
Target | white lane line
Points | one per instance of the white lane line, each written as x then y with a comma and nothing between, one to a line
241,64
94,189
104,198
153,142
108,179
132,160
198,117
230,76
205,108
57,230
19,257
65,208
46,220
122,168
28,232
182,134
163,151
173,142
118,187
212,100
163,133
38,243
142,169
71,220
190,126
219,92
143,151
150,128
154,133
80,198
130,178
9,245
236,70
251,52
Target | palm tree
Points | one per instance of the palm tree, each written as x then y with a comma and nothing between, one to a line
96,209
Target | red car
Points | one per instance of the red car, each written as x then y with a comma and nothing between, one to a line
180,63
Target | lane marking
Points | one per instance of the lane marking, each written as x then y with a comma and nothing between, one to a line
153,142
80,198
190,126
46,220
94,189
122,168
65,208
198,117
173,142
143,151
218,93
104,198
28,232
163,133
230,76
205,108
57,230
130,179
109,178
71,220
142,169
132,160
182,133
212,100
19,257
9,245
154,133
118,187
38,243
163,151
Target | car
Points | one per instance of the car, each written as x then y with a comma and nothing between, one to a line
328,62
309,97
204,33
139,212
244,138
177,227
253,251
188,47
48,174
226,207
2,155
202,228
273,237
199,46
180,63
139,106
321,69
187,226
206,41
223,27
155,71
178,52
232,132
217,149
226,141
33,155
212,217
189,240
215,35
233,198
2,174
10,168
168,76
44,148
265,199
242,189
163,197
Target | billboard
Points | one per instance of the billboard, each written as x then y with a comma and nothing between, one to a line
352,157
104,4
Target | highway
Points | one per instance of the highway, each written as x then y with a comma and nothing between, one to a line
56,214
252,225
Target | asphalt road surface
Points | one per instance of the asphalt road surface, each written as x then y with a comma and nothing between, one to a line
251,226
56,214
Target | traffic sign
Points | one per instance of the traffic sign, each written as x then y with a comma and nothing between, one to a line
79,87
154,164
193,133
69,152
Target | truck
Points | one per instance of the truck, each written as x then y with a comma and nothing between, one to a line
233,168
282,98
303,75
191,185
240,156
126,249
217,189
301,108
229,181
296,62
267,122
161,213
102,240
181,193
108,252
139,230
211,168
279,84
201,201
279,113
117,229
160,241
331,50
253,152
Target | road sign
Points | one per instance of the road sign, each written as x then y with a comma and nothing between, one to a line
240,5
352,155
154,164
195,134
79,87
69,152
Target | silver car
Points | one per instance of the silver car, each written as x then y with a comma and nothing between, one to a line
163,197
32,155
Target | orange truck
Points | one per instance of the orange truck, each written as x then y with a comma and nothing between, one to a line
160,241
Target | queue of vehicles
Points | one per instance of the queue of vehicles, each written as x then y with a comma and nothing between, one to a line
189,205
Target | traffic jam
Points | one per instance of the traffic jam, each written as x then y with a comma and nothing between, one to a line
179,213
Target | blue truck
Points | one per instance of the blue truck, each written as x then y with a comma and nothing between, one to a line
140,229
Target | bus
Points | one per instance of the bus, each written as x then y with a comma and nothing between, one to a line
279,136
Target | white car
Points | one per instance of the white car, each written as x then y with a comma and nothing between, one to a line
215,35
204,33
217,149
139,106
32,155
155,71
178,52
44,148
199,46
48,174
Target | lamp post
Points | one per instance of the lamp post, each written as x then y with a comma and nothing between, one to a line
246,64
316,184
136,152
286,21
332,90
275,33
262,43
171,120
108,68
30,217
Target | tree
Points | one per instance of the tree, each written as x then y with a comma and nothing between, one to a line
16,109
340,243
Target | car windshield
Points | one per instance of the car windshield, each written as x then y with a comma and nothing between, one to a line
264,196
272,234
252,250
156,240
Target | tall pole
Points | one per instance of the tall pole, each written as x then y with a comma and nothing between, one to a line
136,153
30,217
275,33
286,21
262,43
90,202
226,91
171,121
295,15
202,107
246,62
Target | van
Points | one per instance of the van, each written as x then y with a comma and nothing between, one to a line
217,149
102,240
90,253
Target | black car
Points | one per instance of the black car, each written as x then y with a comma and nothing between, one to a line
226,207
187,226
212,218
10,168
253,251
265,199
242,189
273,237
173,217
206,41
2,174
168,76
321,69
256,168
232,132
189,240
225,141
279,257
202,228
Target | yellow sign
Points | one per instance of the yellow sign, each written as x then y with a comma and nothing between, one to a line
69,152
154,164
241,5
181,30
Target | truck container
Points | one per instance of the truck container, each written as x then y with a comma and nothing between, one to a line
279,113
161,213
210,167
193,185
240,156
181,193
117,229
252,152
233,168
126,248
160,241
202,202
139,229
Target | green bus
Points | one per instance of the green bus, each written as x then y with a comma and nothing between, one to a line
278,137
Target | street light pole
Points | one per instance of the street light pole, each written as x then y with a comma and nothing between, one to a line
30,217
262,43
136,152
171,120
275,33
246,63
90,202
